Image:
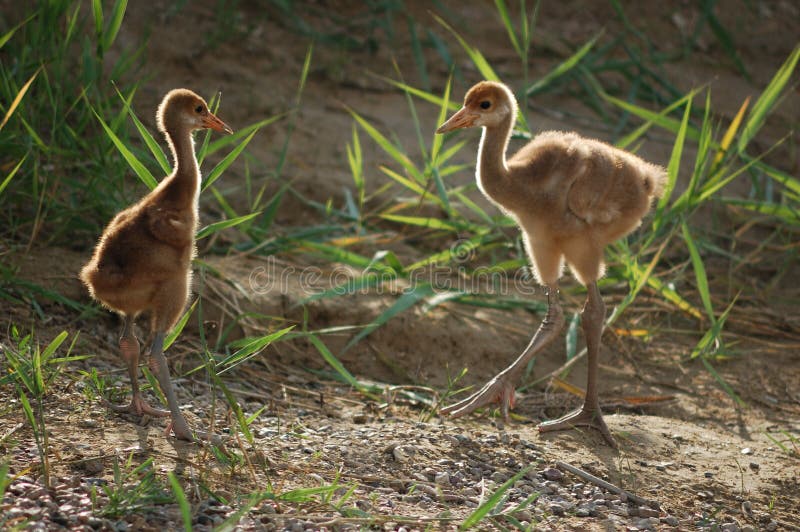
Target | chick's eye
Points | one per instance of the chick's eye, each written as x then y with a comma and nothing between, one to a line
485,104
199,109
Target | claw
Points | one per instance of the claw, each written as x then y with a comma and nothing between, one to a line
497,390
137,406
580,418
199,436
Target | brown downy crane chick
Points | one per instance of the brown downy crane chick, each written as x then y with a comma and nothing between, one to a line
571,196
142,263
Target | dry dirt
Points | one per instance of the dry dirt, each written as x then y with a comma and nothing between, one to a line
705,460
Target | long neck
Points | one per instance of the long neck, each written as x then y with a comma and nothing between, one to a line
185,179
492,168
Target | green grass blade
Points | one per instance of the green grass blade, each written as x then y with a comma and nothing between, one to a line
788,213
430,223
387,146
26,408
117,14
138,168
411,185
226,140
176,331
449,255
410,298
53,345
11,174
215,227
474,54
669,294
640,276
766,102
337,254
18,98
5,480
699,272
792,183
634,135
335,363
572,336
690,194
502,9
419,93
231,523
227,161
483,510
670,124
723,384
730,133
145,135
251,348
97,14
673,168
233,404
562,68
10,33
351,286
183,503
438,140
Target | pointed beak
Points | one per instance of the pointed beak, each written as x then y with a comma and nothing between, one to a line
463,118
212,122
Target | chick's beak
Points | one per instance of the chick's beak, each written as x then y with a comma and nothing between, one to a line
212,122
463,118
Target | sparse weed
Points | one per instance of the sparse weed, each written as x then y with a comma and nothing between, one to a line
135,488
32,371
790,444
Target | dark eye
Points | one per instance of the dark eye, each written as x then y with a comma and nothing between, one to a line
485,104
198,109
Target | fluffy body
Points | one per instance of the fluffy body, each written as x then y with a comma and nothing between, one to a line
570,196
142,262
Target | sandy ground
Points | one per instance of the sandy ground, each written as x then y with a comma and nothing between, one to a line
704,460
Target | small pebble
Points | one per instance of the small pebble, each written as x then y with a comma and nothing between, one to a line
400,455
551,473
644,511
556,509
670,520
754,466
442,479
747,450
646,524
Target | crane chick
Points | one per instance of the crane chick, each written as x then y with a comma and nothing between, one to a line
570,196
142,263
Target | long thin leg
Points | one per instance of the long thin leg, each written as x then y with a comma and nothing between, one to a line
158,365
501,387
178,424
129,348
589,415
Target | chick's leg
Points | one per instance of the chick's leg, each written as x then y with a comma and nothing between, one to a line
501,387
178,424
129,349
158,365
589,415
